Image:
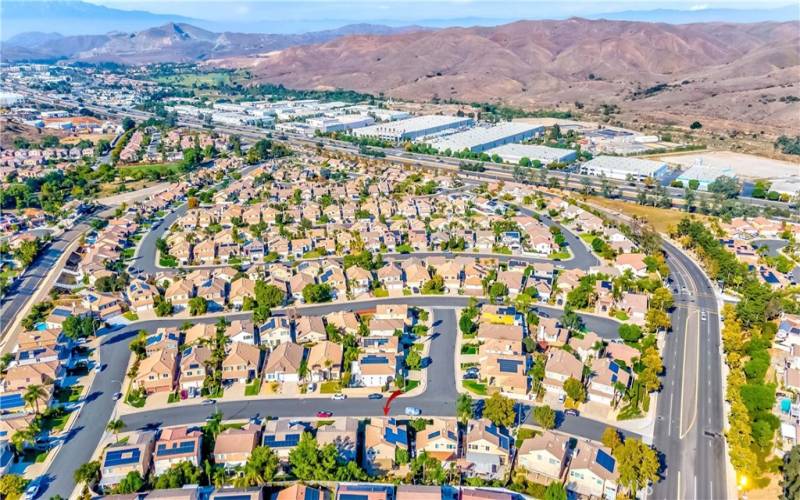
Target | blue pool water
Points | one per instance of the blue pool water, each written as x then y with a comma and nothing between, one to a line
41,326
786,405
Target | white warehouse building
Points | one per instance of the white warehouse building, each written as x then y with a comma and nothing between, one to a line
480,139
414,128
343,122
513,153
619,167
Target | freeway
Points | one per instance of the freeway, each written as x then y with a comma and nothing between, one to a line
438,399
690,411
496,172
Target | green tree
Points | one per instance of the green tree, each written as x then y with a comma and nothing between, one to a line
88,473
317,293
115,426
304,458
791,474
555,491
611,438
178,475
465,407
32,396
413,360
261,467
575,389
198,306
544,416
637,463
652,367
12,486
499,409
696,125
131,483
427,470
629,332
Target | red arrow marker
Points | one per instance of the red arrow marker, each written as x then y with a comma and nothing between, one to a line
388,405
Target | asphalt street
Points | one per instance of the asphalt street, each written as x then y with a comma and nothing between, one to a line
31,279
689,417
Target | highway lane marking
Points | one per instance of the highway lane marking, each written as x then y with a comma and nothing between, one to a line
696,384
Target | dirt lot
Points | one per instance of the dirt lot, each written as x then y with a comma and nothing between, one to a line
744,165
661,219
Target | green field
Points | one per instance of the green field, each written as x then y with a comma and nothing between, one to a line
159,169
196,80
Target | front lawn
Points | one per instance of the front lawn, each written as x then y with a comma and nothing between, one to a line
131,316
137,399
168,261
475,387
330,387
69,394
410,385
32,455
621,315
562,255
469,349
253,388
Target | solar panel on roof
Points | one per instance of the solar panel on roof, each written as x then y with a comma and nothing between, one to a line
434,434
288,440
353,496
126,456
312,494
508,365
396,435
372,359
176,449
232,497
605,460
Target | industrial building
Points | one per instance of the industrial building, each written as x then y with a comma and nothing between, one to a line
620,167
414,128
8,99
513,153
704,174
480,139
338,123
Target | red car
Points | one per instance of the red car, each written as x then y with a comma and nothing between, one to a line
324,414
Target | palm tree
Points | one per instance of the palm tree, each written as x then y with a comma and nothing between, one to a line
32,396
115,426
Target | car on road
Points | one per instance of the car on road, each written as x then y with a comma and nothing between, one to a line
324,414
703,316
209,402
413,411
375,395
573,412
32,490
338,396
117,395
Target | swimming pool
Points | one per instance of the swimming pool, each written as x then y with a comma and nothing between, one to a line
786,405
41,326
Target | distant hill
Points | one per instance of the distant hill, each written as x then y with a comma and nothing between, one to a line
675,16
739,74
171,42
73,17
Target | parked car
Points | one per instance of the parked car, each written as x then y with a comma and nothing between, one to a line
98,368
573,412
117,395
703,316
32,490
324,414
338,396
413,411
375,395
209,402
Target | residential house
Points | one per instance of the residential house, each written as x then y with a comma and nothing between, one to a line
608,381
383,436
275,331
283,364
593,471
439,439
157,372
233,446
342,433
309,329
175,445
193,366
241,363
545,456
135,455
283,434
241,330
560,366
488,449
325,361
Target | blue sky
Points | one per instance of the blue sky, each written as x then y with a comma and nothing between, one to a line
410,10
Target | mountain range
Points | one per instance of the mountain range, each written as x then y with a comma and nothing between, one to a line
76,17
172,42
744,76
